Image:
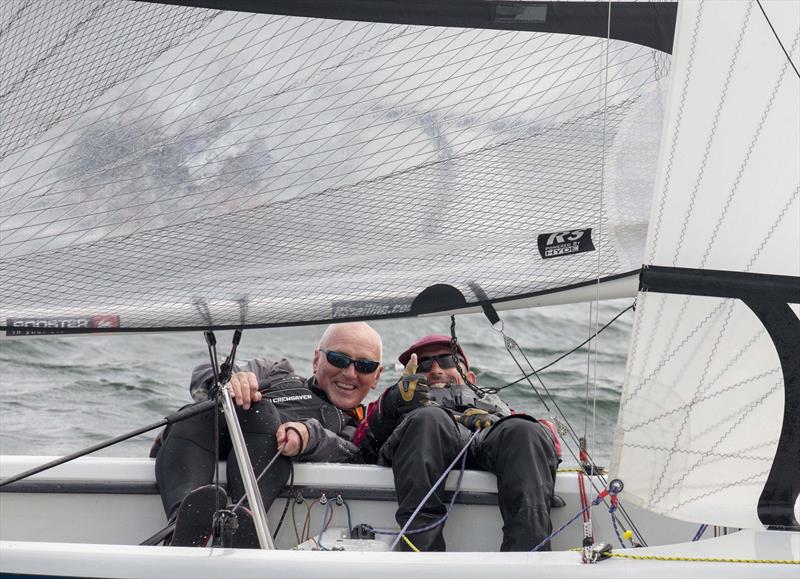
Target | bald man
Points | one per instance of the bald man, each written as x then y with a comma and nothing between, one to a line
314,419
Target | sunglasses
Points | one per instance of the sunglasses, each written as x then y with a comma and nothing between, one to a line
343,361
445,362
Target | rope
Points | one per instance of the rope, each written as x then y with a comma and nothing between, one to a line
562,527
561,357
288,499
583,496
349,516
588,373
410,544
565,427
325,524
613,512
603,470
263,472
600,246
211,341
588,533
433,488
778,38
699,533
299,500
305,532
454,349
272,461
435,523
706,559
614,488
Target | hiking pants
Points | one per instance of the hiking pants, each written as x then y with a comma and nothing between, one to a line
519,451
185,460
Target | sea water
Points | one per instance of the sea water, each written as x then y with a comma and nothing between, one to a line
59,394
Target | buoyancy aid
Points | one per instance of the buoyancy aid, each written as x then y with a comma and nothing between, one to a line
296,398
456,398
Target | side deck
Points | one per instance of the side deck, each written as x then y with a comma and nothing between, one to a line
116,501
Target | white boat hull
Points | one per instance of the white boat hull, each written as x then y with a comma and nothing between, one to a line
87,517
85,560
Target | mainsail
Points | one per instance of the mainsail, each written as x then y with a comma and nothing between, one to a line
708,427
167,167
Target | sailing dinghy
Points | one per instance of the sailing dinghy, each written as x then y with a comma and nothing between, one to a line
173,166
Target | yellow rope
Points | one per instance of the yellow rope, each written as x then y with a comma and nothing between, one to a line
698,559
706,559
604,471
410,544
689,559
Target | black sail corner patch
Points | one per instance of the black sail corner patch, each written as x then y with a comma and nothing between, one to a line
565,242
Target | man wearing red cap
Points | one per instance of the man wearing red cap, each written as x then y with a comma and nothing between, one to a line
419,426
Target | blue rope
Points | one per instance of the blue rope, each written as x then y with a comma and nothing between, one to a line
349,518
462,453
328,507
613,512
564,526
594,503
449,506
699,533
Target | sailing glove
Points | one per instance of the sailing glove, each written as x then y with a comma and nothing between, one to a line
475,418
410,392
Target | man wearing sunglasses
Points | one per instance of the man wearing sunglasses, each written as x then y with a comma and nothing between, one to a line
312,419
419,426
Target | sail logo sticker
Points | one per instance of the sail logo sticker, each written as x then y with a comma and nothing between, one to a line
356,308
105,322
290,398
565,243
60,325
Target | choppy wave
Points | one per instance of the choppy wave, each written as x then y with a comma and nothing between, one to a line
61,393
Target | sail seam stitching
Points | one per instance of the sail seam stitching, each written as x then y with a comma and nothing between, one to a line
744,163
687,216
704,398
674,144
699,388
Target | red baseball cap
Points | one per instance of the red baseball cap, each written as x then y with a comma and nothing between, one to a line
431,340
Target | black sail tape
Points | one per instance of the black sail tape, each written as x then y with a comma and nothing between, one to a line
490,312
486,305
768,296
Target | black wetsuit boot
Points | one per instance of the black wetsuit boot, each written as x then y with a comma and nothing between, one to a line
185,460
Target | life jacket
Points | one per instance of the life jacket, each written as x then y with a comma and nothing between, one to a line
298,399
457,398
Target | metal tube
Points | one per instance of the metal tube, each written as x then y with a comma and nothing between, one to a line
246,469
171,419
